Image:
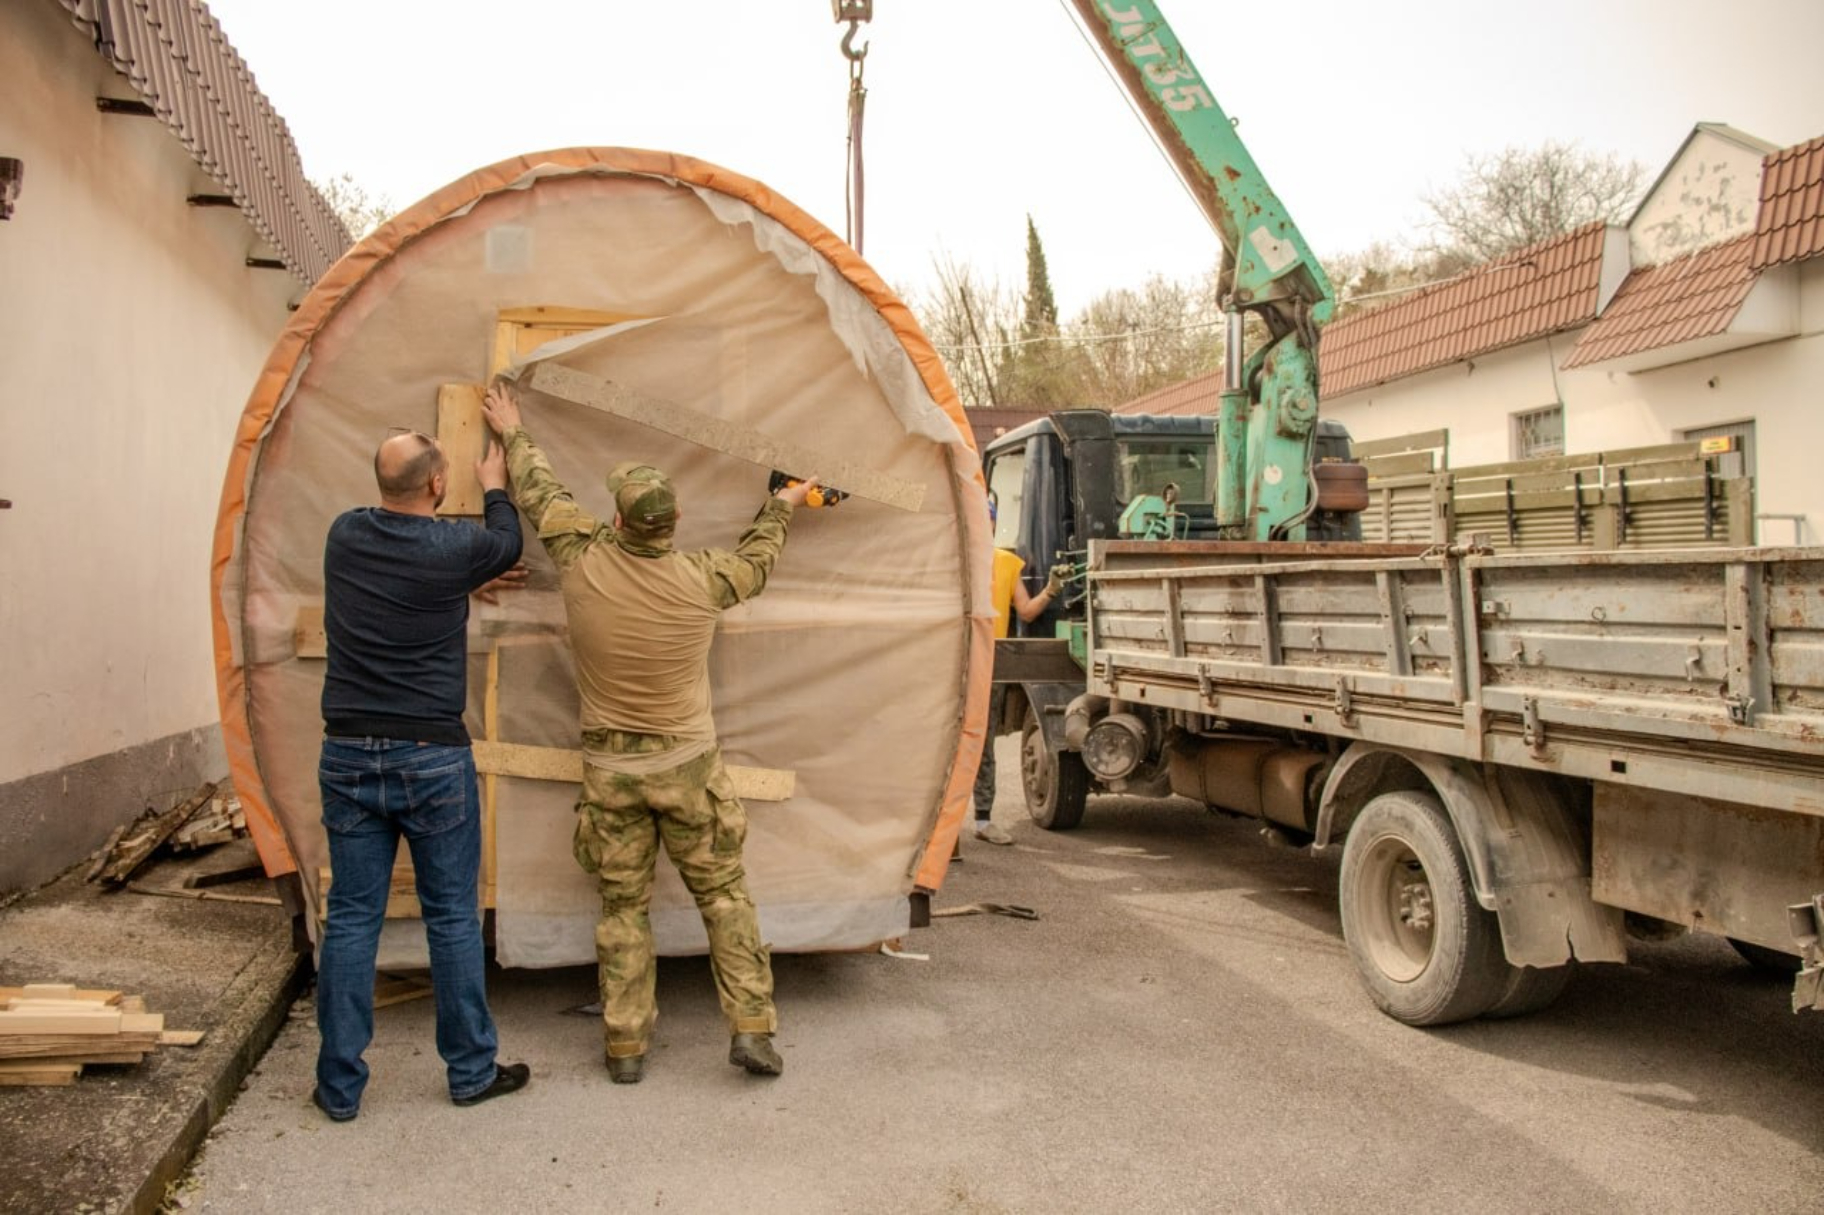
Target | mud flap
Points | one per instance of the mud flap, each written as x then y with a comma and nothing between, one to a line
1808,931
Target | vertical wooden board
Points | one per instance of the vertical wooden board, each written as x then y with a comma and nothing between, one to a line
309,639
490,725
464,434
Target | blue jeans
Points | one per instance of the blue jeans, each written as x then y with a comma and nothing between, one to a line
374,791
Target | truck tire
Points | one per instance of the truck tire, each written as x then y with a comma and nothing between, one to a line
1425,949
1531,988
1056,782
1772,961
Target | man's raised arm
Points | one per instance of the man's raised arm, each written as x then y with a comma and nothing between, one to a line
563,526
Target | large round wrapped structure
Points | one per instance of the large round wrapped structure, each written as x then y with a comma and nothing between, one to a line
860,676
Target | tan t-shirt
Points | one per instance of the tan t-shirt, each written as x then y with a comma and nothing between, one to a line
642,617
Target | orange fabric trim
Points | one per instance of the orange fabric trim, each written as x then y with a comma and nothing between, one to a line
387,241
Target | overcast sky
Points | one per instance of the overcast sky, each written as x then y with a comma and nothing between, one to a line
980,112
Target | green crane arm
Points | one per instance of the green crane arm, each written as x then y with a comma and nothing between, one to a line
1269,402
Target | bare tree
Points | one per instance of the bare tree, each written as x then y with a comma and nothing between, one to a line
1383,272
970,320
1521,196
1135,341
359,211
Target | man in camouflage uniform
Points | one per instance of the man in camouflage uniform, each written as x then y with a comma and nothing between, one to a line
642,616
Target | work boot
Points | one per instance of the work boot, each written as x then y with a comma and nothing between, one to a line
755,1052
991,833
628,1069
508,1078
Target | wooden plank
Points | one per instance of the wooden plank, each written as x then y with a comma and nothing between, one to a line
59,991
77,1058
308,639
464,435
207,896
490,727
42,1046
71,1022
397,989
181,1037
728,438
401,900
572,320
562,764
56,1076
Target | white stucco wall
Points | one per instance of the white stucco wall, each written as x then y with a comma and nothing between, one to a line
131,335
1710,193
1779,385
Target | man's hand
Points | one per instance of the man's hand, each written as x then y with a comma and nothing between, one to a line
796,494
513,580
1055,583
491,469
500,407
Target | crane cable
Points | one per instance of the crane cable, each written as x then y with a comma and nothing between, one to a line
854,12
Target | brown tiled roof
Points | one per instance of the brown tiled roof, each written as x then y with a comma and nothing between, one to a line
1791,222
1197,395
177,58
1542,289
1695,296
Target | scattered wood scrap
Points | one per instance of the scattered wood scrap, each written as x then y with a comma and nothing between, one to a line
142,838
208,896
397,989
223,821
50,1031
209,817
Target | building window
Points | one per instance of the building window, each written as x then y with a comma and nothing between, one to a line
1539,432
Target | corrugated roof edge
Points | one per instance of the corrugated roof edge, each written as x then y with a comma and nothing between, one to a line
175,55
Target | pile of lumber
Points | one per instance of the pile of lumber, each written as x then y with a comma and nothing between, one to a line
211,815
50,1031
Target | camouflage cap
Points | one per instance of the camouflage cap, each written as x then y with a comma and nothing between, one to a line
644,499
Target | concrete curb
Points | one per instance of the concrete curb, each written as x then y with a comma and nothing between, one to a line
253,1009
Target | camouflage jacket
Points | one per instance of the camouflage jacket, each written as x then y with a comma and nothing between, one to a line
642,616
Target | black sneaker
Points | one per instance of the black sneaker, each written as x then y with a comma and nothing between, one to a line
316,1099
508,1078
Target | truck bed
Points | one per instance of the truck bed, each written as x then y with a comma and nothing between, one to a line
1697,671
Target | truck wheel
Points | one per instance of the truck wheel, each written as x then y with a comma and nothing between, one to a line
1531,988
1425,949
1056,782
1773,961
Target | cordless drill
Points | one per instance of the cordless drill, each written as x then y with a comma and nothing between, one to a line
822,495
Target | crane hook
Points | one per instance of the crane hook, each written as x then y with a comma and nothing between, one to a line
854,12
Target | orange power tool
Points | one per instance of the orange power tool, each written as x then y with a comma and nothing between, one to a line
822,495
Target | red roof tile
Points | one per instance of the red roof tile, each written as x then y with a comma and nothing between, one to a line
1543,289
1791,222
1692,297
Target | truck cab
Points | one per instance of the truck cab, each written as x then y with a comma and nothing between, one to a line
1069,478
1079,475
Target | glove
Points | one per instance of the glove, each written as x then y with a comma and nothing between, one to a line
1054,585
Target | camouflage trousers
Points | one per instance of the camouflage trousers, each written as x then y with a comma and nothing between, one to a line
693,809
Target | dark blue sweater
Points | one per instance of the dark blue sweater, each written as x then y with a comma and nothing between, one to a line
396,611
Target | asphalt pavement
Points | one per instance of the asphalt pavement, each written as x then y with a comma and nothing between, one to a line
1180,1030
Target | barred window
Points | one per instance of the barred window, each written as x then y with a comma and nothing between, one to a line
1539,432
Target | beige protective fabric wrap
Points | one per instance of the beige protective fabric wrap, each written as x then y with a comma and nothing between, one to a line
862,669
